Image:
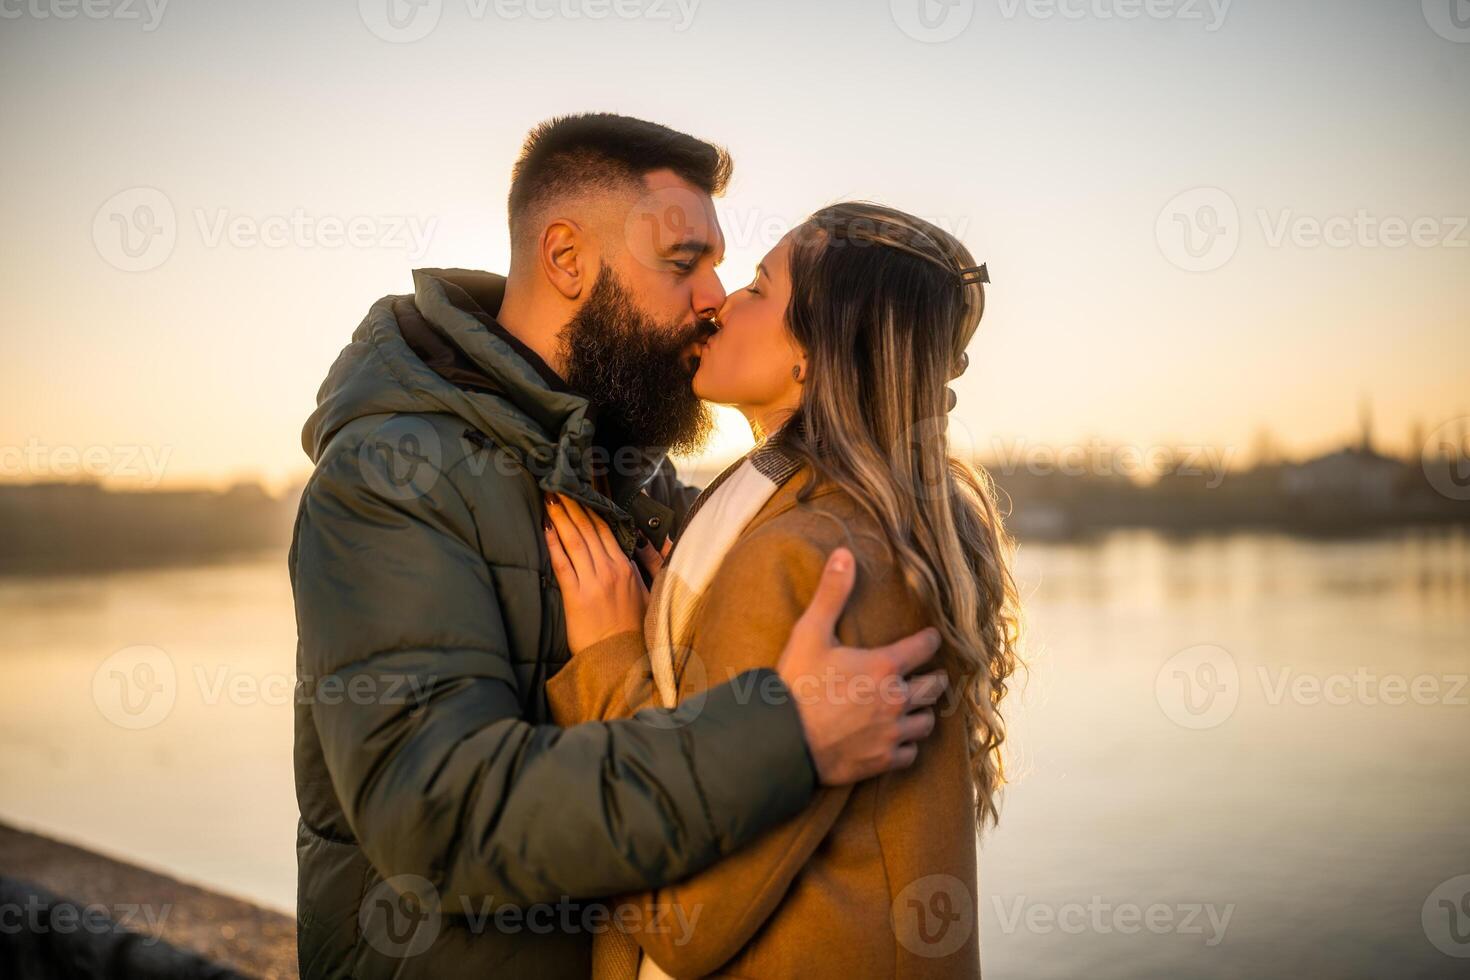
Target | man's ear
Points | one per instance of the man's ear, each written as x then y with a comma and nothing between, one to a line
566,261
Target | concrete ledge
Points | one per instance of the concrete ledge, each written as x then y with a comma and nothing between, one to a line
68,912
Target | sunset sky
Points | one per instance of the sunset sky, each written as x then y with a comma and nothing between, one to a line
1071,151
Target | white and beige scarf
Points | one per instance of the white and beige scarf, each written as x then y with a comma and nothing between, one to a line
714,523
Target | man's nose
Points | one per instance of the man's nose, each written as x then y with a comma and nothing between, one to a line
709,296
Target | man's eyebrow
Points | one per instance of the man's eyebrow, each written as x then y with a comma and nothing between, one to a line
760,270
693,246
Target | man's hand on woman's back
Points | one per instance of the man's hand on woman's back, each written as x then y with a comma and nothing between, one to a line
861,712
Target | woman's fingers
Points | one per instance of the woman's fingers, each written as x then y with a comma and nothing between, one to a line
605,533
650,560
583,520
607,553
571,539
561,565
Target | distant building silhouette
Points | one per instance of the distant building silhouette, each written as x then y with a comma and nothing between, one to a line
72,527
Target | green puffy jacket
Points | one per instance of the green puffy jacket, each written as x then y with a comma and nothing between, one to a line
447,828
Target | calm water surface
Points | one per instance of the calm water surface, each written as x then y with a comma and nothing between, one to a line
1235,756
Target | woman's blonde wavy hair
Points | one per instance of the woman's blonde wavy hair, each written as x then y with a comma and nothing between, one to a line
880,308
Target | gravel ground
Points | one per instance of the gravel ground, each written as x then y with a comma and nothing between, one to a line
254,941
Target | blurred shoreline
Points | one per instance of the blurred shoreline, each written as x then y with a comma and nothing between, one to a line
58,528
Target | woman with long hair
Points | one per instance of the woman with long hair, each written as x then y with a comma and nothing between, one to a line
839,354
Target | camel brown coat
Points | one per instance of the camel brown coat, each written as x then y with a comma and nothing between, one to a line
873,880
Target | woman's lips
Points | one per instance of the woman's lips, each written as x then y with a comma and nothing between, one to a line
695,351
693,357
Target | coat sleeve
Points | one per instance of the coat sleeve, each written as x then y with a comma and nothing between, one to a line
436,770
608,680
762,588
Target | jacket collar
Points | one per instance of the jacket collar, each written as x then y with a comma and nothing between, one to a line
467,345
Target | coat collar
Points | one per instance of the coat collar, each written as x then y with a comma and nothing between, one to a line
504,397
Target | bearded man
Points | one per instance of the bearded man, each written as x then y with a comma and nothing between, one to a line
447,827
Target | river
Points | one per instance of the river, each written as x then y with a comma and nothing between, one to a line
1238,755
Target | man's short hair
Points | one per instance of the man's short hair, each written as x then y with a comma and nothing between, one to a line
600,149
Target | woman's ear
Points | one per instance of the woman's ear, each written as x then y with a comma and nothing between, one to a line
799,369
564,260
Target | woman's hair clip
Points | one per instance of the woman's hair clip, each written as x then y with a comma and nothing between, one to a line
974,274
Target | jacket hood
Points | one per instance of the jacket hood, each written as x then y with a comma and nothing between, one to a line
509,402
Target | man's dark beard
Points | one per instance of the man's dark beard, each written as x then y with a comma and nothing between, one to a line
633,372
